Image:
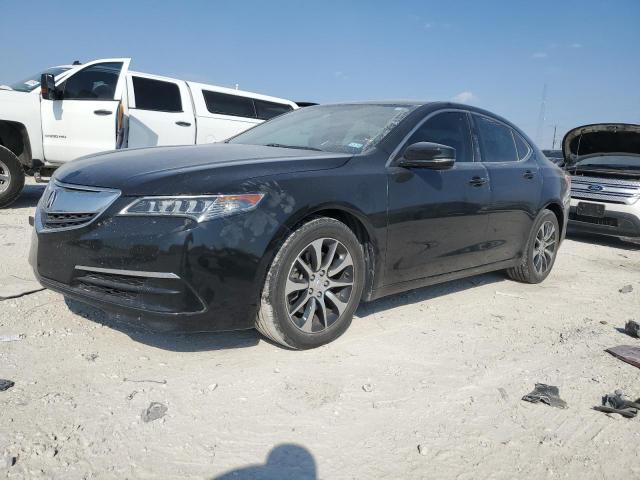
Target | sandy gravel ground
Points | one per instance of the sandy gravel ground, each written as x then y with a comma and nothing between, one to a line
443,368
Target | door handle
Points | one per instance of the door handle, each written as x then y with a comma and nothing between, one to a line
102,112
529,174
183,124
477,181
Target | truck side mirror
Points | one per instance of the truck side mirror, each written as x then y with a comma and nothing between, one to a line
47,86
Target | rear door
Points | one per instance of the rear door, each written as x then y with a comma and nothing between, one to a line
84,120
160,112
516,187
437,220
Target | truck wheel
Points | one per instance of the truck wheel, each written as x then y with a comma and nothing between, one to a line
540,252
11,177
313,286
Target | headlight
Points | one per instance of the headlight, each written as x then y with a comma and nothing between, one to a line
199,208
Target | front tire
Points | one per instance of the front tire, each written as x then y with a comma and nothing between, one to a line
541,250
313,286
11,177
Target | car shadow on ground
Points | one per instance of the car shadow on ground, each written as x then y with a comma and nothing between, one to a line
206,341
613,242
284,462
29,196
428,293
172,341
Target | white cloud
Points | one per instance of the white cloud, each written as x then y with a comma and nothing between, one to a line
427,26
464,97
539,55
340,75
576,45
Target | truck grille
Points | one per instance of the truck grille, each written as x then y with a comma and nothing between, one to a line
610,190
64,206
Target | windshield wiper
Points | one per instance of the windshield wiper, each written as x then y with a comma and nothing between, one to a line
280,145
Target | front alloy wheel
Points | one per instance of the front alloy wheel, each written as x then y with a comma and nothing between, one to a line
319,285
313,286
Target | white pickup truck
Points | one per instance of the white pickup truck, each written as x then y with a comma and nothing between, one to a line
70,111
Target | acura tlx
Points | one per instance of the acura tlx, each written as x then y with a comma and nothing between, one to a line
288,226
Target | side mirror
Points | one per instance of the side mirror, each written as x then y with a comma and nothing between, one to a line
48,86
428,155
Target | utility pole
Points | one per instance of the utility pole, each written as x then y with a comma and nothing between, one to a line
555,129
542,117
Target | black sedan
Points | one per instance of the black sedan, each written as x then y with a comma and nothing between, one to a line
288,226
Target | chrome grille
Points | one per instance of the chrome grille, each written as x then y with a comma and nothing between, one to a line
612,190
65,206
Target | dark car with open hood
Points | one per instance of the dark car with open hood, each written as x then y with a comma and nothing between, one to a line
604,163
288,226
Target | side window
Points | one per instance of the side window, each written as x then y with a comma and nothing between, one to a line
448,128
496,141
157,95
521,146
97,82
266,110
225,104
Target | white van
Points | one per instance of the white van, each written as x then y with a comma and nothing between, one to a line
69,111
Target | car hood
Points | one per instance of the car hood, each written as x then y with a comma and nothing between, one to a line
191,170
602,139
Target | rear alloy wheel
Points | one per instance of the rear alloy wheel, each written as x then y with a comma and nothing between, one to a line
541,250
314,285
11,177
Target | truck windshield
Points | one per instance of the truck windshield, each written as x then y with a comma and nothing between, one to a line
31,82
351,128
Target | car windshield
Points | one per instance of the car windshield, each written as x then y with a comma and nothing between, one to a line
32,81
352,128
615,161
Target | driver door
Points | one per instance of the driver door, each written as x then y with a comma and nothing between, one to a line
83,120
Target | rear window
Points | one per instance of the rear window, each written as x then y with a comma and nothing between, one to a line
226,104
266,110
521,146
156,95
496,141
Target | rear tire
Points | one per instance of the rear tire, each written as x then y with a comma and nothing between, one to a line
11,177
540,252
313,286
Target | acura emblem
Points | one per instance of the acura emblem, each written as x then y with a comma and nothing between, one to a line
51,199
596,188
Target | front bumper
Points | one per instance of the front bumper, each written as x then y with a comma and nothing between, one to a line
169,273
620,220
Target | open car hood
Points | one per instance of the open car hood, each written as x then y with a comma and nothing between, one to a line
601,138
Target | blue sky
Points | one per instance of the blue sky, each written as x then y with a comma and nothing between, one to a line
494,54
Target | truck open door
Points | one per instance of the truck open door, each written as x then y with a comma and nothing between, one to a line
80,116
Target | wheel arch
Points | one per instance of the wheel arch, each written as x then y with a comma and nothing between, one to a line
352,218
15,137
558,211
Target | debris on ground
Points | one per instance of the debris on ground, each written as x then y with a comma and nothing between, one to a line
90,357
422,449
626,353
161,382
212,387
626,289
632,328
8,461
11,338
617,403
5,384
367,387
153,412
547,394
